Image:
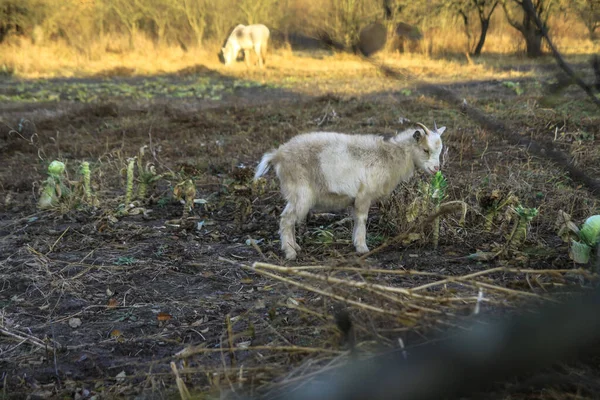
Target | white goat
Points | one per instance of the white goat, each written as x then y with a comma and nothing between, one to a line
328,171
245,38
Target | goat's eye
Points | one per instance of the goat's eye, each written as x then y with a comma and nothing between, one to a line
426,151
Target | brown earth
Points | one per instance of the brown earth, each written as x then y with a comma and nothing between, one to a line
102,294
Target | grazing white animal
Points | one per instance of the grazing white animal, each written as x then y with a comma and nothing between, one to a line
245,38
328,171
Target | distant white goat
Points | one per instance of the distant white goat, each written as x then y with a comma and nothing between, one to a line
328,171
245,38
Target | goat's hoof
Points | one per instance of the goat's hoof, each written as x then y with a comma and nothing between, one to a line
296,247
362,249
290,254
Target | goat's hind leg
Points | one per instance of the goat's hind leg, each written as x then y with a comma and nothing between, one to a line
287,232
294,212
359,233
258,52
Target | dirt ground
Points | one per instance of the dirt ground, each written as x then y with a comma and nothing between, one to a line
97,301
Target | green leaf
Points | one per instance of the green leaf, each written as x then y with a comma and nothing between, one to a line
483,255
56,168
438,187
526,213
580,252
590,231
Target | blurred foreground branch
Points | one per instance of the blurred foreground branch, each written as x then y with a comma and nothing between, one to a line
544,150
468,362
559,58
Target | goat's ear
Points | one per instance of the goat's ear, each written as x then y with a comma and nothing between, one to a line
441,130
417,135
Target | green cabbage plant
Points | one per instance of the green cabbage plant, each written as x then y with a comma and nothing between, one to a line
430,201
55,186
519,232
589,238
438,194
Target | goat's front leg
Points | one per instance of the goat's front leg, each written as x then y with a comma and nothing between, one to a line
246,58
359,233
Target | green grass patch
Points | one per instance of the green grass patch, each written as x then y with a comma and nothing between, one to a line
44,90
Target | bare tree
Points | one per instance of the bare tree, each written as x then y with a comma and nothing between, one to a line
589,12
160,12
484,10
257,11
339,22
129,15
531,33
195,12
15,17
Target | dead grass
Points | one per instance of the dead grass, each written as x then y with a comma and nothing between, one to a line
441,58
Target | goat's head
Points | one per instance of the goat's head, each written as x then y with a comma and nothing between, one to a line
426,152
225,55
229,51
221,55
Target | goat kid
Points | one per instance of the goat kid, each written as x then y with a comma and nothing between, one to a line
328,171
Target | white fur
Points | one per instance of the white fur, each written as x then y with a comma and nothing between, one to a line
329,171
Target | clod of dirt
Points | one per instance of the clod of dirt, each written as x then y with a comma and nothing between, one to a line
74,323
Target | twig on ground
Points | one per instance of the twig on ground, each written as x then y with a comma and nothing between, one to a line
330,279
24,336
325,293
502,269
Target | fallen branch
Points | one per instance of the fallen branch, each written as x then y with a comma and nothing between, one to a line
364,306
332,280
26,337
503,269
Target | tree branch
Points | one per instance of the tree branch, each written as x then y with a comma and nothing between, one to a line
518,26
559,59
492,10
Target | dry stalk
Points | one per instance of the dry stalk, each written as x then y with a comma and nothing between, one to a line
255,247
502,269
461,281
230,339
69,265
57,240
192,350
329,279
370,271
183,390
398,300
307,311
324,293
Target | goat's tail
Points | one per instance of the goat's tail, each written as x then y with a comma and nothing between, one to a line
264,165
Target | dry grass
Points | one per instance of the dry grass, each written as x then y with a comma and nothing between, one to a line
440,56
